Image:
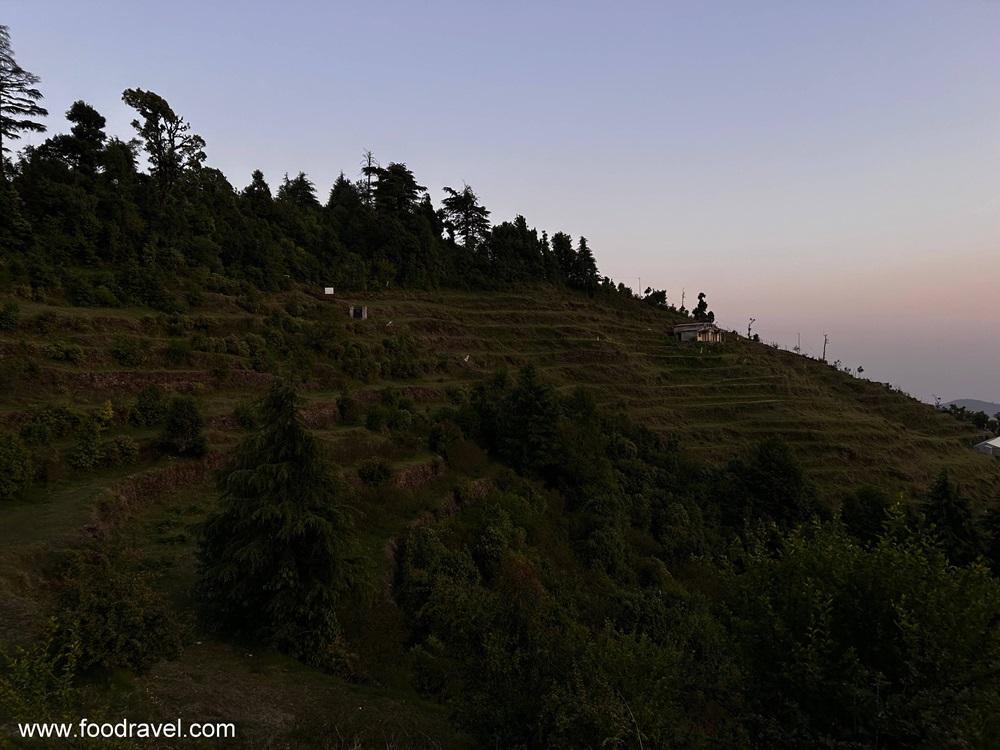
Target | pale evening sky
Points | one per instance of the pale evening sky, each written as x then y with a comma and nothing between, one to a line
823,166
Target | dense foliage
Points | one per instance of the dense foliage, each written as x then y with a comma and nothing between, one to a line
80,221
693,607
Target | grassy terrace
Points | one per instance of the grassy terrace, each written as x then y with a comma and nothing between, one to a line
716,399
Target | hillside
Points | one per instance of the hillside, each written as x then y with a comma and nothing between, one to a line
417,352
717,399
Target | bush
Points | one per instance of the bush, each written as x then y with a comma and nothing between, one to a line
374,473
120,450
377,417
401,420
348,409
443,436
113,614
178,352
39,681
245,416
15,467
9,314
64,352
49,423
105,414
401,357
128,352
150,407
864,512
104,297
182,431
86,453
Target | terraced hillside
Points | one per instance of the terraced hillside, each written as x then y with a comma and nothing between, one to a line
717,399
415,352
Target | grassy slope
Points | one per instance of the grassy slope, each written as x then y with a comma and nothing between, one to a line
716,399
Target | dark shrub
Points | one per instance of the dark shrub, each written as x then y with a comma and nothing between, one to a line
49,423
246,416
443,436
86,453
112,613
182,430
64,352
377,417
348,409
9,314
150,407
15,467
120,450
374,473
128,352
178,352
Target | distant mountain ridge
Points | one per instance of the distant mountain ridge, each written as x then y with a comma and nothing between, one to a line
973,404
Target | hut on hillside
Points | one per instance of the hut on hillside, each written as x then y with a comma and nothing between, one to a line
358,312
702,332
990,447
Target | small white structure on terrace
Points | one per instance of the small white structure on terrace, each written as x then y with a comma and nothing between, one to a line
990,447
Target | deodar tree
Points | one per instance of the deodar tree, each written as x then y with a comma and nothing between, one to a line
273,556
18,97
171,146
465,216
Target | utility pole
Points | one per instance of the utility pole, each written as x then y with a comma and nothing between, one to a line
682,298
826,338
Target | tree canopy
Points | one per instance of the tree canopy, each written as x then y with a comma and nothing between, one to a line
19,97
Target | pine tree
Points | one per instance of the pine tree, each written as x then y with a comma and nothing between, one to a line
18,97
258,192
298,190
465,216
344,195
528,424
701,311
396,190
949,512
81,148
584,267
562,248
272,558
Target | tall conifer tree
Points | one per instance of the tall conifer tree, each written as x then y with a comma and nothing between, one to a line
18,97
272,558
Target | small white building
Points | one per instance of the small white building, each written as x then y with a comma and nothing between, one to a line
990,447
703,332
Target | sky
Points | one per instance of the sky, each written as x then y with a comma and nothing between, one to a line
824,167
